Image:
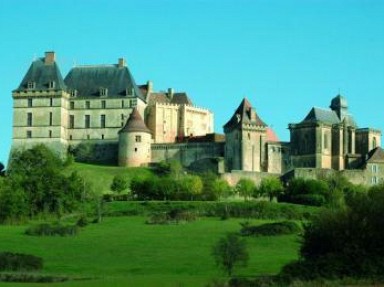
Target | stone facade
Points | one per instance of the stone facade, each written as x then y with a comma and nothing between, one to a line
132,125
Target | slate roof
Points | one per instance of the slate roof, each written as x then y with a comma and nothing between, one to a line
321,115
338,102
88,80
42,74
243,115
376,155
181,99
163,98
135,123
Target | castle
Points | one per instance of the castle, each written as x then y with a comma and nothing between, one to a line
102,109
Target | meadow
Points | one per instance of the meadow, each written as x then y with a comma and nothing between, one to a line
124,251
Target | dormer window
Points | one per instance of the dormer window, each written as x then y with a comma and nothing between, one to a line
51,84
31,85
73,93
103,92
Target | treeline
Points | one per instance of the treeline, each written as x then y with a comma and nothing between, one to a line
35,184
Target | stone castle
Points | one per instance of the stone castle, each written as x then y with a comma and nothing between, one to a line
100,107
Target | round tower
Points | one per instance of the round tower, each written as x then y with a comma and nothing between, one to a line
134,142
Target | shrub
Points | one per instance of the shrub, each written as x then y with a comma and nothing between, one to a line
46,229
271,229
20,262
82,221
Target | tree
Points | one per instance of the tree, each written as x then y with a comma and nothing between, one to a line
40,185
192,185
221,188
270,186
229,252
119,183
245,187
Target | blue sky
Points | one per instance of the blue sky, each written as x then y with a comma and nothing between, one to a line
285,56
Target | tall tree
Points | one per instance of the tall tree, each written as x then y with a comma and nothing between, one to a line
245,187
230,251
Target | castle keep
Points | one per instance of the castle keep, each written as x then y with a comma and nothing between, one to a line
101,112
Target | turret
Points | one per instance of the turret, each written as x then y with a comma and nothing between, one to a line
134,142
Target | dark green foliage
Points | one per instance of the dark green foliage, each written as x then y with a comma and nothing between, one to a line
36,184
249,209
271,187
172,216
82,221
230,251
345,242
30,278
306,191
19,262
271,229
46,229
119,184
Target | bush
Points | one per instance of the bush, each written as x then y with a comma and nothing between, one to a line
46,229
271,229
172,216
20,262
82,222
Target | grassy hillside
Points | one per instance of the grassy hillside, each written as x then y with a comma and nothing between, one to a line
101,176
124,251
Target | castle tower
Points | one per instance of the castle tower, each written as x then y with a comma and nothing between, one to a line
245,135
134,142
40,112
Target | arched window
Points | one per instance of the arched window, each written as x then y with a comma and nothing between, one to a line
374,142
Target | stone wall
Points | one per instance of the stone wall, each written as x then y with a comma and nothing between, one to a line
186,153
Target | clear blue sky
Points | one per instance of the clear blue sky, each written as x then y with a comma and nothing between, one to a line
284,56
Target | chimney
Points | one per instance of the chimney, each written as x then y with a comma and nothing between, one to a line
149,87
170,93
50,58
122,63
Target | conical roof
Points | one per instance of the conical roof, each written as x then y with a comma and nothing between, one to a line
135,123
244,114
338,102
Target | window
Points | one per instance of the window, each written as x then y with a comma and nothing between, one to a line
88,137
50,133
103,104
51,84
374,142
70,137
87,104
138,139
325,141
102,121
29,103
73,93
135,149
29,134
31,85
50,102
72,105
71,121
103,92
87,121
50,119
29,119
122,104
375,168
374,180
102,136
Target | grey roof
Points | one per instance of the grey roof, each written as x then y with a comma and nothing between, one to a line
135,123
165,98
321,115
244,114
338,102
42,74
88,80
376,155
181,99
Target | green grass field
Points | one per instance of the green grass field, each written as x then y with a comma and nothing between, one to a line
124,251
